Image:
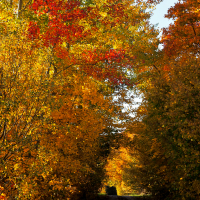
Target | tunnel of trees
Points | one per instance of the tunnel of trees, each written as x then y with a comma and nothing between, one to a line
67,68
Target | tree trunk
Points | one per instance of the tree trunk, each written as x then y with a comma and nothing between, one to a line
19,7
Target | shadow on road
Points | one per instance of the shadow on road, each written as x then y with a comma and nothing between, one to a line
115,197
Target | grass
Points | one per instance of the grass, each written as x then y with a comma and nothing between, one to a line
102,194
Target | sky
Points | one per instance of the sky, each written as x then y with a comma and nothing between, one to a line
157,18
161,10
159,13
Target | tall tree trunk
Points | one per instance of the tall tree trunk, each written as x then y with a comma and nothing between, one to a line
19,7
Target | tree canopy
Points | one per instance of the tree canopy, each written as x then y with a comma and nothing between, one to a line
61,62
66,68
167,124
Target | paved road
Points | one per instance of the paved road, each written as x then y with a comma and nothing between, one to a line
114,197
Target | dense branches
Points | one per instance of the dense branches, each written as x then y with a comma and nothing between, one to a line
169,140
59,65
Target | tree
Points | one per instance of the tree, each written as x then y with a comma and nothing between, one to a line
79,117
60,64
24,101
116,167
169,161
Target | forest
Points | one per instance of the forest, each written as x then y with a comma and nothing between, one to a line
70,71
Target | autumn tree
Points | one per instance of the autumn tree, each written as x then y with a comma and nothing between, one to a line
91,49
60,64
24,101
168,144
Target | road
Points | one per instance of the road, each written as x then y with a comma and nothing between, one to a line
115,197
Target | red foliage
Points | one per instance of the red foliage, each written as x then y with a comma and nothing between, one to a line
33,30
184,33
62,25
